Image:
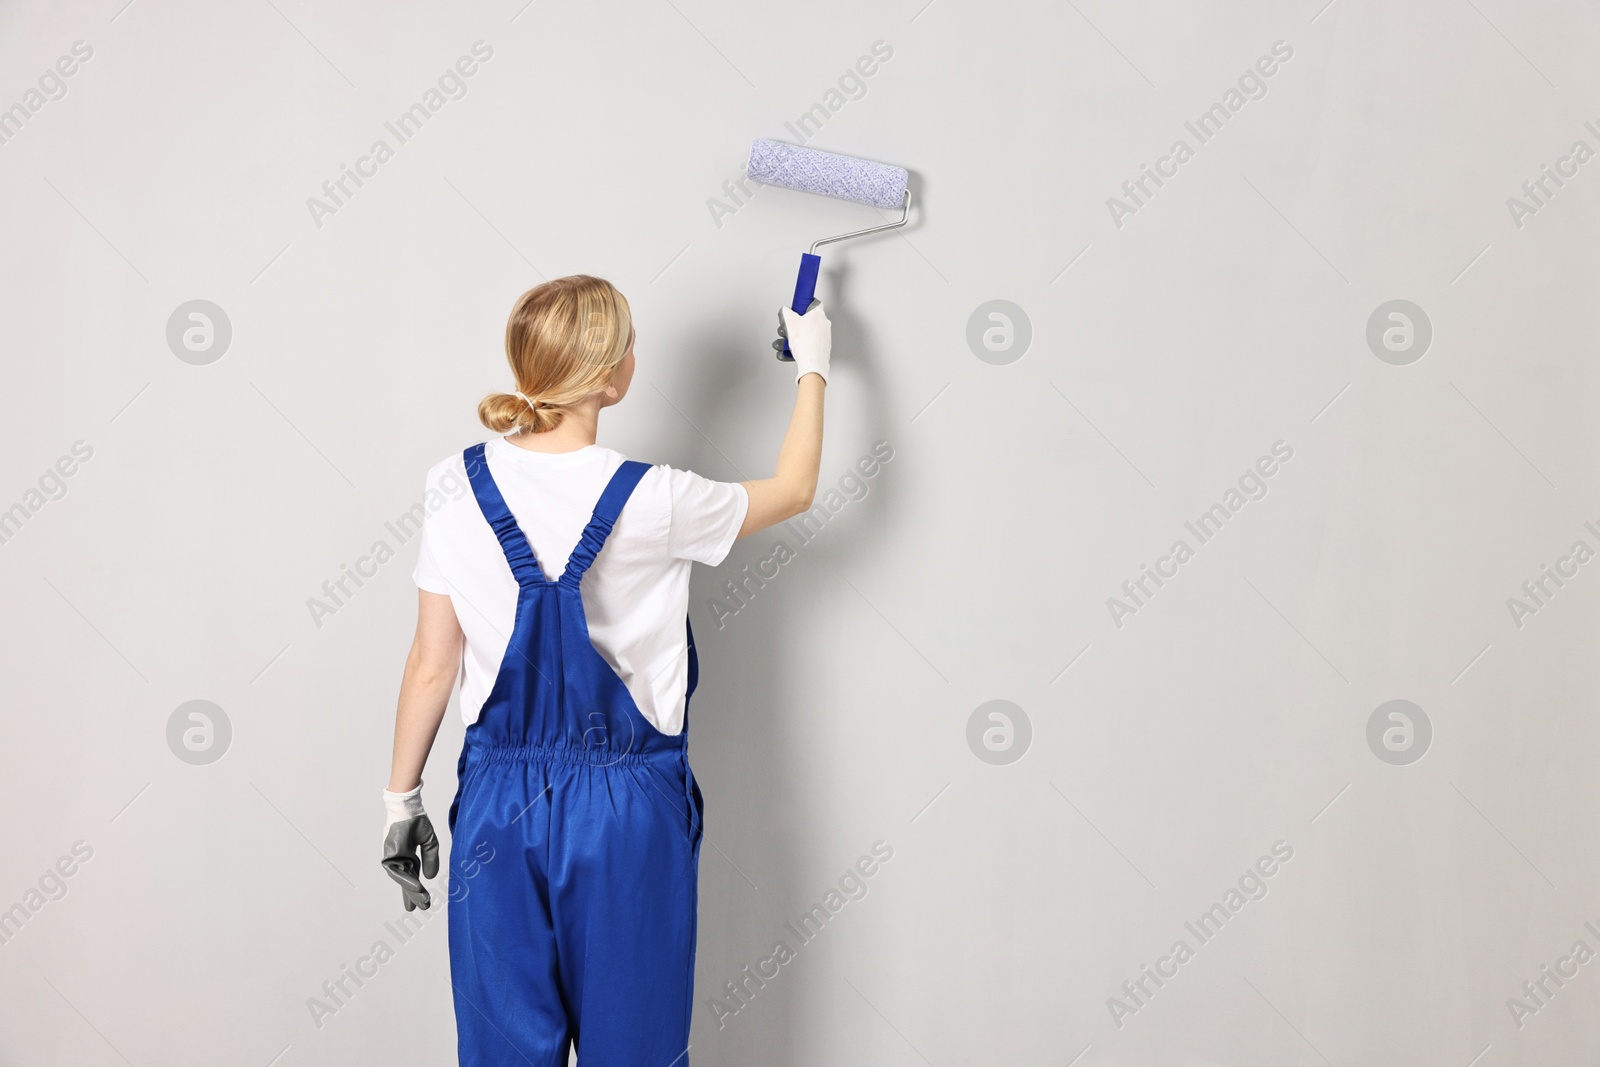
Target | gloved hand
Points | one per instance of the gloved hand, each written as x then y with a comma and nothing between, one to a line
810,339
407,832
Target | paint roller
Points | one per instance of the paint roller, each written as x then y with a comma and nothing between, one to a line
842,177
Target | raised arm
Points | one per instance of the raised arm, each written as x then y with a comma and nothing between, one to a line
793,484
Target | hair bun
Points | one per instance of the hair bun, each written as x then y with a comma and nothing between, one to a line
515,411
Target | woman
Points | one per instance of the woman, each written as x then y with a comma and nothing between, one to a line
565,576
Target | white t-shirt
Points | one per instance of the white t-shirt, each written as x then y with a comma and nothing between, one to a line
635,594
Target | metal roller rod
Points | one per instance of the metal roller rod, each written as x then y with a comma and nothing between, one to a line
905,213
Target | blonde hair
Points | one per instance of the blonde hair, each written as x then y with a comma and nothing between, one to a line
563,341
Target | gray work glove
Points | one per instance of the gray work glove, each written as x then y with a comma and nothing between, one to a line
407,832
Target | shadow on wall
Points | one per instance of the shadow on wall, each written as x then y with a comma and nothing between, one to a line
745,717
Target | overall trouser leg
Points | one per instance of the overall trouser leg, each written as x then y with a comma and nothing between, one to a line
503,953
624,897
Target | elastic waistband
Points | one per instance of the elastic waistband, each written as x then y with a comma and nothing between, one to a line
599,757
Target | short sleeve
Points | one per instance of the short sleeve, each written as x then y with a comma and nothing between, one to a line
428,576
706,516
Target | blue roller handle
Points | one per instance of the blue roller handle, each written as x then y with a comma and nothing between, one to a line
805,290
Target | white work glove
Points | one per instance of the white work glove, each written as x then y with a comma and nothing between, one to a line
810,339
410,847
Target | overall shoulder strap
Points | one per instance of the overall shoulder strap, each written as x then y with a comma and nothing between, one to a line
518,552
606,511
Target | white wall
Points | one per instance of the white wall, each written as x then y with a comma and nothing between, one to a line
1171,348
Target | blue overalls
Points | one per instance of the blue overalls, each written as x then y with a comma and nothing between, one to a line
575,843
